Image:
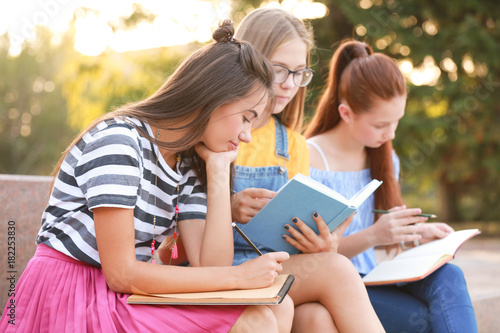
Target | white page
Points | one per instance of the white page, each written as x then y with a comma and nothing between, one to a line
364,193
402,269
447,245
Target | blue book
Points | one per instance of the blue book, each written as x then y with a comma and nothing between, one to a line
300,197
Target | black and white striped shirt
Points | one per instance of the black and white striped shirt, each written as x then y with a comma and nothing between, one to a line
113,165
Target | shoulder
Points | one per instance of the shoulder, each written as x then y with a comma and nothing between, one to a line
315,153
296,138
113,134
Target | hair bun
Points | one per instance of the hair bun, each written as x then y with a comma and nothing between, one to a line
225,32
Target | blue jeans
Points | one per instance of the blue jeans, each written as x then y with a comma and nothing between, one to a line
439,303
268,177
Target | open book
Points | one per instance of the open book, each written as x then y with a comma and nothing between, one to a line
300,197
420,261
270,295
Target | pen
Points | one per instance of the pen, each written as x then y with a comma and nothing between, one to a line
246,239
431,216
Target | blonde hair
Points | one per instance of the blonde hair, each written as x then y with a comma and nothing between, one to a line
269,28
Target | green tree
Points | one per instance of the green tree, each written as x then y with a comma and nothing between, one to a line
448,139
33,129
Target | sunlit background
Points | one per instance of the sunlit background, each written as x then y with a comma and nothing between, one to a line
98,24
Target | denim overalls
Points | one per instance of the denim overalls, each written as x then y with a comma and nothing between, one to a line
269,177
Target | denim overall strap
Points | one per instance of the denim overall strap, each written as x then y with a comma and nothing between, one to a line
281,143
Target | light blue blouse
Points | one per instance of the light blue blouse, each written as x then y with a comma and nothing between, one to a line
349,183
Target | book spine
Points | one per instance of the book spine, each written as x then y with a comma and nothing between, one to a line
341,217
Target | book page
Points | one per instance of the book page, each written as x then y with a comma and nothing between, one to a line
364,193
409,268
320,187
445,246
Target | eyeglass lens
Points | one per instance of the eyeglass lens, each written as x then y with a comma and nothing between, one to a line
301,77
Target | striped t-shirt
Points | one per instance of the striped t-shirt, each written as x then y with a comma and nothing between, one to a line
113,165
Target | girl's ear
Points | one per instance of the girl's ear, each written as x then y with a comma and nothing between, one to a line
346,113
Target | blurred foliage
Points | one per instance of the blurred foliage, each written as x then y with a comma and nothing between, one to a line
449,138
447,141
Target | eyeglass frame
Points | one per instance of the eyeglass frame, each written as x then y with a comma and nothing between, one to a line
294,72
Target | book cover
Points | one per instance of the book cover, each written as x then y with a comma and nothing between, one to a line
300,197
418,262
269,295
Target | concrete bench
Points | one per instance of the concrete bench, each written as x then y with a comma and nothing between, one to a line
25,197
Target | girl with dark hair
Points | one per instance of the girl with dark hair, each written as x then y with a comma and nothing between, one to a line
350,143
156,168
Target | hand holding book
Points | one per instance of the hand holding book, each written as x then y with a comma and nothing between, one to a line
307,241
300,198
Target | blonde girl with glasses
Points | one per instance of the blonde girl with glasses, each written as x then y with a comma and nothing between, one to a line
328,294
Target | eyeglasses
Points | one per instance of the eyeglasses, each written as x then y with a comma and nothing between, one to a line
301,77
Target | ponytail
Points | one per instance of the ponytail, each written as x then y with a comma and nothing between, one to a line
359,77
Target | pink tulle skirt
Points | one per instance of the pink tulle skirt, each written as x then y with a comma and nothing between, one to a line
58,294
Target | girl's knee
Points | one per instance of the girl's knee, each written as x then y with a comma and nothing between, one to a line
256,318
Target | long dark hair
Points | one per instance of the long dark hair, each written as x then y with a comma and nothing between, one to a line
359,76
215,75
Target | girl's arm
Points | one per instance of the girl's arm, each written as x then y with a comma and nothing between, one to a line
114,229
217,245
392,228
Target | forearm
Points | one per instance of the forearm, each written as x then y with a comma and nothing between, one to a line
354,244
217,247
172,279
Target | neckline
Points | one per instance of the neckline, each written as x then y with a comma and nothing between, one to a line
175,174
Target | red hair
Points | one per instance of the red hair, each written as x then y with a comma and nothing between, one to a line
360,77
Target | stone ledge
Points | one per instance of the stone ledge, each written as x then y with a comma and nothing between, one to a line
23,200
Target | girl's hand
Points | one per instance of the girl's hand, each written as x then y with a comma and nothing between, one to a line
397,226
261,271
433,231
247,203
209,155
307,241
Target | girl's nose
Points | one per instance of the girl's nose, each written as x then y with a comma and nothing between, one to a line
288,83
245,136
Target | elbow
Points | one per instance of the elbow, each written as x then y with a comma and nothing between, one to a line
118,280
118,286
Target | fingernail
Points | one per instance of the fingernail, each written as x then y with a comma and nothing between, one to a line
315,214
287,227
284,237
295,220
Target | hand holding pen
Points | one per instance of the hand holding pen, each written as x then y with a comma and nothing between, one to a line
398,225
415,242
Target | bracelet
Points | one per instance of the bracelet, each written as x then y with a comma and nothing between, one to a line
403,245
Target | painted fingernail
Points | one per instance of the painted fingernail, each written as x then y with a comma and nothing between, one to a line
295,220
287,227
284,237
315,214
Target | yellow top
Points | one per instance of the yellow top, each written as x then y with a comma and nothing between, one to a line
260,152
